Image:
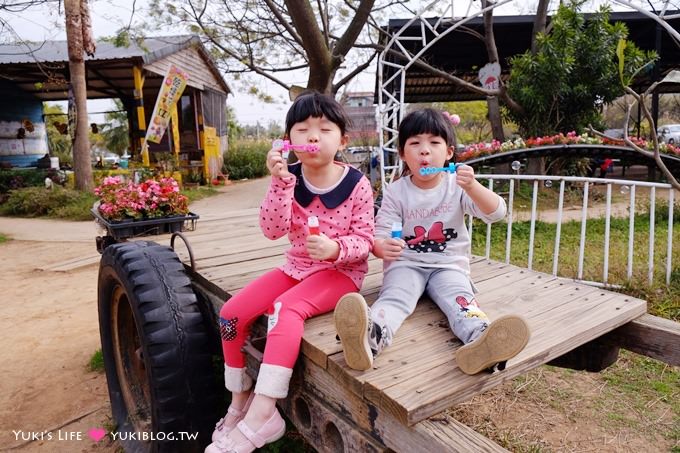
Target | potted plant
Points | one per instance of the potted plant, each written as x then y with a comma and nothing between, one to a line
127,209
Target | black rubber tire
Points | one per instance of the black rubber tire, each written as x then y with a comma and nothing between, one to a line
156,349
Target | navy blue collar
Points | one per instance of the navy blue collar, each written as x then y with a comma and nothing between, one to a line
332,199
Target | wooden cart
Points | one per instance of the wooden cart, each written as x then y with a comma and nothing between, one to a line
161,345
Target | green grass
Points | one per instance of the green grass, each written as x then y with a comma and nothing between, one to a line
3,238
199,193
663,301
96,362
636,389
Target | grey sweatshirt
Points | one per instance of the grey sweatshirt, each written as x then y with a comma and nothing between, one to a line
433,222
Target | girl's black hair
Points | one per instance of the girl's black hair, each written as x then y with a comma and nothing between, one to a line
426,121
314,104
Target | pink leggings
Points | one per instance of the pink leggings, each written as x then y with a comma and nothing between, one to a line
299,300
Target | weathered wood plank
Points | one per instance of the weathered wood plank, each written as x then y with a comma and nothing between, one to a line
651,336
551,337
441,435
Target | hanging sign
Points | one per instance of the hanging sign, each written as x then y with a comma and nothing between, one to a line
173,85
489,76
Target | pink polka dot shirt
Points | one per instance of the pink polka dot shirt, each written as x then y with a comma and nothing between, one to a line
348,221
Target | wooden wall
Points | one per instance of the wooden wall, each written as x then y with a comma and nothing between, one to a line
191,61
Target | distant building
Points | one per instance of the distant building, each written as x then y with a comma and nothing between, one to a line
362,113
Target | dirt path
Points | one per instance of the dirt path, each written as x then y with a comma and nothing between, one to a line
50,330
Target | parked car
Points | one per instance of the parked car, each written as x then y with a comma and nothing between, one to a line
614,133
107,158
669,133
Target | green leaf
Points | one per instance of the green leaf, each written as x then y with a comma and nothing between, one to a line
620,48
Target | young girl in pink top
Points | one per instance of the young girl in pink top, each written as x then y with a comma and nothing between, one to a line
319,268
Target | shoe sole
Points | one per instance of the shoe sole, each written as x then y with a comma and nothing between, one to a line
502,340
351,322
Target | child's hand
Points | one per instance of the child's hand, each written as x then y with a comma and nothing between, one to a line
276,164
322,248
465,177
389,249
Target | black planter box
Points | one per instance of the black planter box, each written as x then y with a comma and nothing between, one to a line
125,229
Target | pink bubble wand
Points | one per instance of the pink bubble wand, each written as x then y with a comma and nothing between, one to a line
286,147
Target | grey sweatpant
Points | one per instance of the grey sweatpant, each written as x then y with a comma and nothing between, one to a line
450,289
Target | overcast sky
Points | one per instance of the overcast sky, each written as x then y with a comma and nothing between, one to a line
46,23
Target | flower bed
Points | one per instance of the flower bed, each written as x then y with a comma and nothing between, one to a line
486,149
127,209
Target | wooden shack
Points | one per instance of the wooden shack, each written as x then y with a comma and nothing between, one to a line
133,74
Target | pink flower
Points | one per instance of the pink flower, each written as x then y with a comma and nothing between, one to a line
150,199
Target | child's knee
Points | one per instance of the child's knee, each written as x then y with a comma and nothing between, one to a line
285,317
468,307
230,323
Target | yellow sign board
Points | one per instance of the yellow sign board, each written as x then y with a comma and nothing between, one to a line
213,159
171,89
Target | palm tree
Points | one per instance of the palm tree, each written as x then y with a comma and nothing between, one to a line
115,132
58,139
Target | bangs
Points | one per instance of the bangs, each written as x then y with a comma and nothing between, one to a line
426,121
315,105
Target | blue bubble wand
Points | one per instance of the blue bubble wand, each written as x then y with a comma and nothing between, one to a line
431,170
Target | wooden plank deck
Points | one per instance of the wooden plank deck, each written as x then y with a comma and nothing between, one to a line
417,376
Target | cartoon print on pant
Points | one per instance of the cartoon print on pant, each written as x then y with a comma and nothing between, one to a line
273,316
228,328
470,308
430,241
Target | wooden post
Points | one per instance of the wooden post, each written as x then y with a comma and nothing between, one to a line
175,131
141,119
82,164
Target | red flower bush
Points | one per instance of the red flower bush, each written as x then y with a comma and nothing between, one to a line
148,200
475,150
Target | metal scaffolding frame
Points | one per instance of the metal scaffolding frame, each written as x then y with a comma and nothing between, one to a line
391,90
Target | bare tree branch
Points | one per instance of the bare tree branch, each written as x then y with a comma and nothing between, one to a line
354,73
648,116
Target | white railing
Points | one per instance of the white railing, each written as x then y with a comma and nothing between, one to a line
625,186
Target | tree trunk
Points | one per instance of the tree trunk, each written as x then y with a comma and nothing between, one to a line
539,22
492,53
82,165
495,118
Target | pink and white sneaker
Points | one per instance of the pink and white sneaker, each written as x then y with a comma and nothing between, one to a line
272,430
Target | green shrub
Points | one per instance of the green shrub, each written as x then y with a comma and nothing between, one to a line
58,202
246,159
17,178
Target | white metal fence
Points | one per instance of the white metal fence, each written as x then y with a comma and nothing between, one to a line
624,186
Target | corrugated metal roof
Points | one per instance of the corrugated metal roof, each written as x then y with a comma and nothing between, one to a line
21,63
149,50
461,54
